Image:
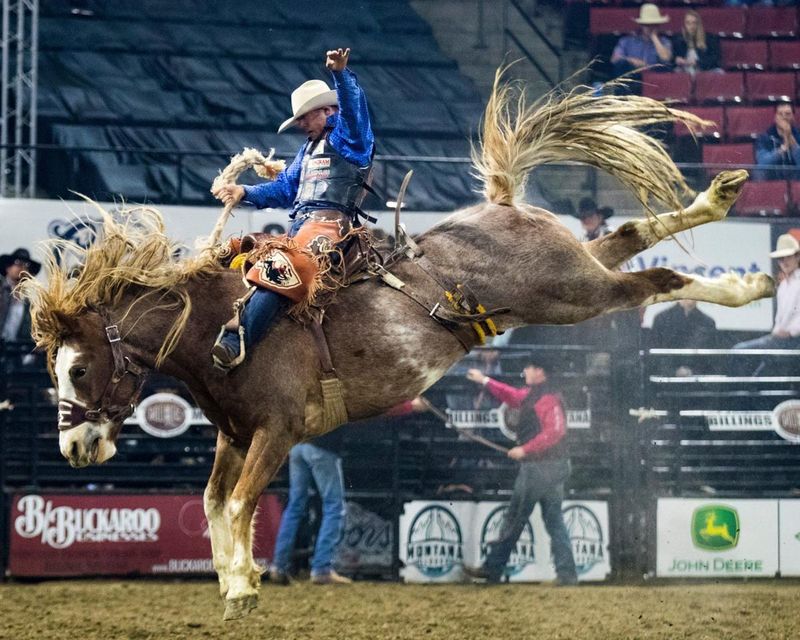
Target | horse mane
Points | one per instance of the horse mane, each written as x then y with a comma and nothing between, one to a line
131,251
577,126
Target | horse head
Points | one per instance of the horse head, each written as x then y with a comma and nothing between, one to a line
98,383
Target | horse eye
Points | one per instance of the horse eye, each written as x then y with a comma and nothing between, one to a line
77,372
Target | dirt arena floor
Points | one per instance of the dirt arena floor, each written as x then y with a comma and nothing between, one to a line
150,610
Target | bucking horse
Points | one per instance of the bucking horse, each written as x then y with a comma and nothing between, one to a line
132,306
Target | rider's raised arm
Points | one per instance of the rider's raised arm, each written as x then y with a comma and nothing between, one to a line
280,193
352,135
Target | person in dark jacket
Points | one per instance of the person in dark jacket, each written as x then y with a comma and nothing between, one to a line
779,147
544,468
683,326
15,321
693,48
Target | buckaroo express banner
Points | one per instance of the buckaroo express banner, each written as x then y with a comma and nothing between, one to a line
71,535
717,538
438,538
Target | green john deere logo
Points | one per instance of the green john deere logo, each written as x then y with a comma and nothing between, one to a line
715,527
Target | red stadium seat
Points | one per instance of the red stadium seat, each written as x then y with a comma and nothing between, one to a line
784,54
747,123
744,54
724,21
770,87
712,86
766,198
611,20
715,114
729,154
676,87
775,22
794,194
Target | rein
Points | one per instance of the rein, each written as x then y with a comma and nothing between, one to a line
72,413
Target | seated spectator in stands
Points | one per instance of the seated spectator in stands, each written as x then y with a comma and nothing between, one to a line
786,331
779,147
593,219
15,320
763,3
645,48
683,326
694,49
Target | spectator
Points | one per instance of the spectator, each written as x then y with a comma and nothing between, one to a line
779,147
593,219
319,464
694,49
786,330
645,48
15,321
683,326
544,468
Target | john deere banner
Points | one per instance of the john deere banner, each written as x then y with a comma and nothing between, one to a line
717,538
438,538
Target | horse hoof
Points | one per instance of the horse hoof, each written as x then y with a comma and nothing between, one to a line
237,608
726,187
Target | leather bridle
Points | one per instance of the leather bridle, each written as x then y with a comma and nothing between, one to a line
72,413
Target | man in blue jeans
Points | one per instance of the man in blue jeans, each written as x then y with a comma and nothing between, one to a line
319,466
540,425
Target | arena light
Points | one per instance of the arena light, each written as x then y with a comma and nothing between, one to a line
392,204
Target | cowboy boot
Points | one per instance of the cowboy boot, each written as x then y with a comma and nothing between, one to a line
253,315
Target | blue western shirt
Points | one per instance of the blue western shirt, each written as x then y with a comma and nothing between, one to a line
350,136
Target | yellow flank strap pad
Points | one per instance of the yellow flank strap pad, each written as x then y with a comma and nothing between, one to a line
238,262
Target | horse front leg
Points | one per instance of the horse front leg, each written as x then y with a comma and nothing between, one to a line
228,463
267,452
635,236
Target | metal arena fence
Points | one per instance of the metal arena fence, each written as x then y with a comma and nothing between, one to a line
645,425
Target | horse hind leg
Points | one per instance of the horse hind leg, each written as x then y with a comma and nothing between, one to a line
730,289
637,235
228,462
662,285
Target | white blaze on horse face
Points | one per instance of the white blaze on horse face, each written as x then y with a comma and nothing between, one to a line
76,443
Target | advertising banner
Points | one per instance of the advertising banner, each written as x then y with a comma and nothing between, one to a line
716,538
367,542
92,534
438,538
789,535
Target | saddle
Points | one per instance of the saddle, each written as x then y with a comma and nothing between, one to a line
355,259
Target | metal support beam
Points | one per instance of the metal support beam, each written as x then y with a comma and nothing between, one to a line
18,98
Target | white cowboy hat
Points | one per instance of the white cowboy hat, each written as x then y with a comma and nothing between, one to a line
307,97
649,14
787,245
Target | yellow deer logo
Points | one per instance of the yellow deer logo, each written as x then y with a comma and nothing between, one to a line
712,530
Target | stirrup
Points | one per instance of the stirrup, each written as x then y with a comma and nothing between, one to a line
219,349
234,324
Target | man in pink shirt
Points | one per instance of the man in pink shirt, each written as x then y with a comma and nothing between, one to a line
544,467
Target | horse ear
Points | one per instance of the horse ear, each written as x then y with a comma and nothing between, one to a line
67,324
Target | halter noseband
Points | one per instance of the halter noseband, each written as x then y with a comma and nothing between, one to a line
71,413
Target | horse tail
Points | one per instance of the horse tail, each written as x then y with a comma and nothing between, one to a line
576,126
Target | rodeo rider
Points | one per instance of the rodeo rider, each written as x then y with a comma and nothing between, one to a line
323,185
544,468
